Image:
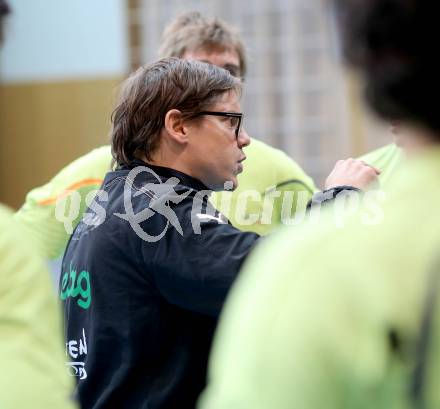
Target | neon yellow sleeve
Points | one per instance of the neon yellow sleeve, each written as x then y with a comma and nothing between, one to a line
387,159
33,374
270,180
39,212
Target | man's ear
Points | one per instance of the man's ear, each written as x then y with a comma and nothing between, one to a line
175,126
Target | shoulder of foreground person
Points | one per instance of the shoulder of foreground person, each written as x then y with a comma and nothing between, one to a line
33,372
73,183
338,330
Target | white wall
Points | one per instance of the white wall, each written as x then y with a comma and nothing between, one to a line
64,39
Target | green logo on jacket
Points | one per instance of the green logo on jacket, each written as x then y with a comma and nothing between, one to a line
79,286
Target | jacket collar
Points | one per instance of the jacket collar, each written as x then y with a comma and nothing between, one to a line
166,173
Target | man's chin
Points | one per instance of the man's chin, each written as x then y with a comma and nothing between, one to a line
229,185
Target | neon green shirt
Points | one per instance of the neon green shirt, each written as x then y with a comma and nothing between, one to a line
326,317
266,168
269,175
33,374
387,159
76,180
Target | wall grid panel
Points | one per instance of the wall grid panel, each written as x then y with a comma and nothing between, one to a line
296,93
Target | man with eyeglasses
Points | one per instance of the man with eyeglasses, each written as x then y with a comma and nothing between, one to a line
268,170
144,279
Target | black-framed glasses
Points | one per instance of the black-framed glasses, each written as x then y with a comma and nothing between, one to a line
236,118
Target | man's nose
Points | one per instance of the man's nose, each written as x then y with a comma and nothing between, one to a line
243,139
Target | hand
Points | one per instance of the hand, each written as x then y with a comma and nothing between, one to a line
352,172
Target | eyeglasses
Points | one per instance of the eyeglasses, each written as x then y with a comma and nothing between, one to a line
235,119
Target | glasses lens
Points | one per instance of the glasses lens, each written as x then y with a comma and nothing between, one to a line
234,121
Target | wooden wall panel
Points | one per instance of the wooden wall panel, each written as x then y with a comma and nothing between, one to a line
44,126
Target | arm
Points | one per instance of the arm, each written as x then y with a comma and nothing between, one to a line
38,213
347,175
196,271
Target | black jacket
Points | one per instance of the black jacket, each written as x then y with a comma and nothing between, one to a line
140,310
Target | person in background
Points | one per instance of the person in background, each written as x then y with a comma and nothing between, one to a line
350,317
32,374
269,172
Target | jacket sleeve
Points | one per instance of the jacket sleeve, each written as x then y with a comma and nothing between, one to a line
195,269
30,326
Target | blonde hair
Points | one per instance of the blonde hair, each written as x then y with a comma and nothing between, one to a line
192,31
